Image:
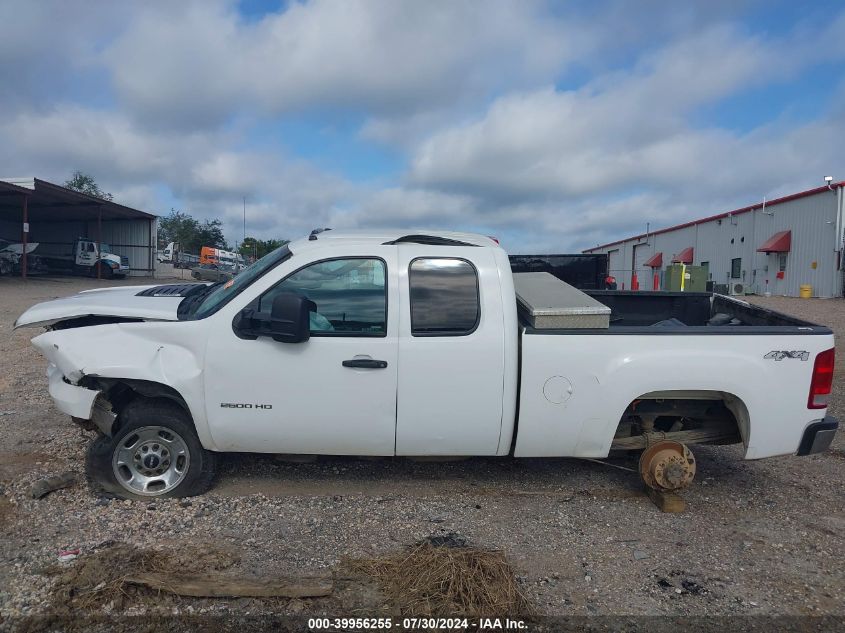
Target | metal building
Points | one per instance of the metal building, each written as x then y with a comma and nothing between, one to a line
34,210
774,246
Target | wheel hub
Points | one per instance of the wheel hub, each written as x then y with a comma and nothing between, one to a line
151,461
152,458
667,466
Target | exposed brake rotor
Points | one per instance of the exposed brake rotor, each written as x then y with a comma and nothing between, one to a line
667,466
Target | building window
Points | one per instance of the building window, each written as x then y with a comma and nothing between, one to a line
444,297
782,262
736,268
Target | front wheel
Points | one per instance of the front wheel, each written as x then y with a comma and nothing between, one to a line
154,453
106,272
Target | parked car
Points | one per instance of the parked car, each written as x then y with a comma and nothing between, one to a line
213,272
386,343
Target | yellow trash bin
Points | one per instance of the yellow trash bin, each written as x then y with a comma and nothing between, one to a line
805,291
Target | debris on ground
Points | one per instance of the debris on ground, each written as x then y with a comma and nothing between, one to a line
444,576
100,579
67,555
692,587
43,487
218,586
451,539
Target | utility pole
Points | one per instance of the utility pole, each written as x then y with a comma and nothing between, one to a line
244,220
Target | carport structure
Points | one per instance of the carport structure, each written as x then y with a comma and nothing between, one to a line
34,210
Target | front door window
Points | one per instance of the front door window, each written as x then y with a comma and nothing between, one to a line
350,294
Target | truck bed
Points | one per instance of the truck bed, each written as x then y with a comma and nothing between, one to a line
679,313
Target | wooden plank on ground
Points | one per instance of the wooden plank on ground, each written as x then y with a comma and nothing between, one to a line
206,586
667,501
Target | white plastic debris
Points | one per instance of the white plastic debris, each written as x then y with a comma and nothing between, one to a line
67,555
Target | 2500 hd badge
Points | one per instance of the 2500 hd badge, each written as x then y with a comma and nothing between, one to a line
244,405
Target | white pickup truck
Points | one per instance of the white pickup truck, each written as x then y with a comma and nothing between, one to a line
395,344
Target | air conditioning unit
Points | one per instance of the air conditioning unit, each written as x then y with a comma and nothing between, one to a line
737,288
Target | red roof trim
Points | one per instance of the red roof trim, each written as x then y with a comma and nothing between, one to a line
684,257
719,216
777,243
656,261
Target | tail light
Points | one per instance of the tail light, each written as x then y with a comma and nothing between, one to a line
495,239
822,380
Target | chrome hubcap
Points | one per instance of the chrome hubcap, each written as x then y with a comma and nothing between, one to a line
151,461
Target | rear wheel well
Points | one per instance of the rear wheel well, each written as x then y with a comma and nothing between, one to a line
690,417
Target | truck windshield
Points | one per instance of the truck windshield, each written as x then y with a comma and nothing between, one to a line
219,295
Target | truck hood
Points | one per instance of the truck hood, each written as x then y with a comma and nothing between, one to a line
155,303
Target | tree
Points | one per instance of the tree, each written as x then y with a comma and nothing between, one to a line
178,227
190,233
210,233
253,247
84,183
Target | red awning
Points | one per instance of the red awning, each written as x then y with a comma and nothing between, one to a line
777,243
656,261
684,257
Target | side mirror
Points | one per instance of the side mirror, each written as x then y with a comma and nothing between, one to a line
290,319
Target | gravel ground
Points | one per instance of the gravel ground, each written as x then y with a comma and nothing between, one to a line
758,538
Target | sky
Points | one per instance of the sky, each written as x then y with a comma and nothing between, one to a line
554,126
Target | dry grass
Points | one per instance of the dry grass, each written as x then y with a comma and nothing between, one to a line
440,576
446,579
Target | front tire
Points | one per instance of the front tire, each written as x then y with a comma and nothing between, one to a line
155,452
105,271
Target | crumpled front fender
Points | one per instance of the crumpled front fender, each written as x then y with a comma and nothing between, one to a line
167,353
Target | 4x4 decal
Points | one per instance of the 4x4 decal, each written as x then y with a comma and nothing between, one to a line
780,355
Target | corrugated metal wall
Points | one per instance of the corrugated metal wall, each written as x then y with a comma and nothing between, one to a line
134,238
813,258
10,231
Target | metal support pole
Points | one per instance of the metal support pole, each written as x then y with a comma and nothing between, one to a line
153,241
99,235
24,234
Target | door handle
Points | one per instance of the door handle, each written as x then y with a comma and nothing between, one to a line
365,363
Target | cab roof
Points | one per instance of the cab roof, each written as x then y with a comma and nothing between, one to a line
319,237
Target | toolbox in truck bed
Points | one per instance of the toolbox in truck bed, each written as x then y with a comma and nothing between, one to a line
546,302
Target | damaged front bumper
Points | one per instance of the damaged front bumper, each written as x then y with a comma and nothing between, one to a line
79,402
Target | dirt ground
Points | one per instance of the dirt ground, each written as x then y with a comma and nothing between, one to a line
758,538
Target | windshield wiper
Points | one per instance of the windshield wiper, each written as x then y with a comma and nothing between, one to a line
189,305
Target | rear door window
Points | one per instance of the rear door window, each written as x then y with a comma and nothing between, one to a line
444,297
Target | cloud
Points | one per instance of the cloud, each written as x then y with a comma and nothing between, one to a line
71,137
551,126
206,174
197,63
50,48
625,145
